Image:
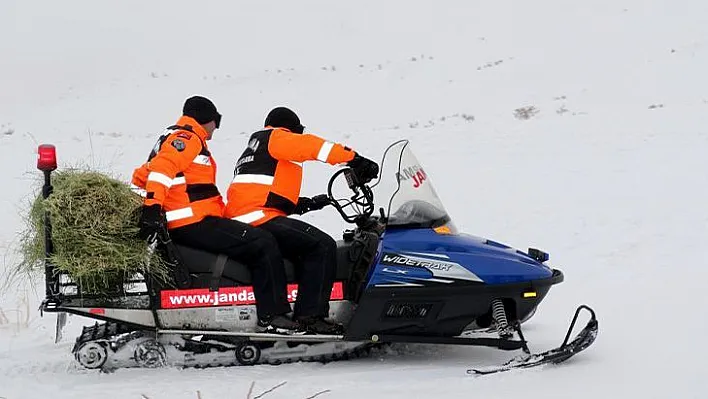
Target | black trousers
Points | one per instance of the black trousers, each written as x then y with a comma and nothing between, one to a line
254,247
314,254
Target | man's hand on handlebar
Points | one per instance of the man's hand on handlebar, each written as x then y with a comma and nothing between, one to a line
364,168
315,203
320,201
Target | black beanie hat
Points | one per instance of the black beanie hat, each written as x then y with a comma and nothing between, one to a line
284,117
202,110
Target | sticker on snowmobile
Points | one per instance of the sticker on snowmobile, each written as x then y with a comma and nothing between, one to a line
226,296
415,172
245,314
226,315
437,267
394,259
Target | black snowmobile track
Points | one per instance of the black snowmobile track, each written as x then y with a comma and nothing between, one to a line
120,334
101,331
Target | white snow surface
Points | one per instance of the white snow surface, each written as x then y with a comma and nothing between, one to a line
609,176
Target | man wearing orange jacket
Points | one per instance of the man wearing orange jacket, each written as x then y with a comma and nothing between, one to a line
179,179
266,189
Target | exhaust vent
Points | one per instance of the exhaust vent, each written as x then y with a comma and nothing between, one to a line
408,310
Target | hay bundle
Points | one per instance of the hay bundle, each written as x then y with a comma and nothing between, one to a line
94,220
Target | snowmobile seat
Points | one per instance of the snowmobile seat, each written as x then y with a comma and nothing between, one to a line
199,263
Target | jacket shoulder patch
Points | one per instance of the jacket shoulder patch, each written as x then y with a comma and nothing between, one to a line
178,144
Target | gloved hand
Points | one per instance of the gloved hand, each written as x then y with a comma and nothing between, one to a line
320,201
364,168
151,221
315,203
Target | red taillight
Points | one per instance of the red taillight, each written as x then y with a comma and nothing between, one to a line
47,158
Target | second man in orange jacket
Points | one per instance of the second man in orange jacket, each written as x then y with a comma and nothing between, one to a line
266,189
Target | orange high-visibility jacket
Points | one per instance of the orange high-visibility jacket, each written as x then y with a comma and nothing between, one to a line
180,176
268,176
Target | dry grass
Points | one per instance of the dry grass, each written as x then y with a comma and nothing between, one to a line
17,318
3,318
94,230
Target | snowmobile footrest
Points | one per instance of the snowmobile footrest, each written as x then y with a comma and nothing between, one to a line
259,336
503,344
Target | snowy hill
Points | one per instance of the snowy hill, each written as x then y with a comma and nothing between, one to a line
579,128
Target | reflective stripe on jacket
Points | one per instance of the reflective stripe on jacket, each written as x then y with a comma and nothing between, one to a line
180,175
268,176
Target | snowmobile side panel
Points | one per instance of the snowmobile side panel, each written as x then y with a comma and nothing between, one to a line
443,309
233,318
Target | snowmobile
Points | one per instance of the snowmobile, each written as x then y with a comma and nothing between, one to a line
404,274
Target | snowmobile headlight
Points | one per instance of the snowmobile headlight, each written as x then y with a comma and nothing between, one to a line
530,294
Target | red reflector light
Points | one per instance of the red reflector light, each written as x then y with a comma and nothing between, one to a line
47,158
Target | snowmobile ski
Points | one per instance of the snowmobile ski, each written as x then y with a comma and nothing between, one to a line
582,341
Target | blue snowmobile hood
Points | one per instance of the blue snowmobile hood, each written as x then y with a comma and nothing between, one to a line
422,254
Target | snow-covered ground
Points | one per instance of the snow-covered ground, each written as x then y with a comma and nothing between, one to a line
607,173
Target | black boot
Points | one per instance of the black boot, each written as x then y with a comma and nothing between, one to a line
318,325
277,324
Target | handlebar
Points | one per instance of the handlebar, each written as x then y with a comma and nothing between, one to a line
362,199
352,179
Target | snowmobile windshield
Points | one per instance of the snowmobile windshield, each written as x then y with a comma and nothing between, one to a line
412,200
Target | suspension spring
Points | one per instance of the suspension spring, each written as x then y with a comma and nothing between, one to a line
499,315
